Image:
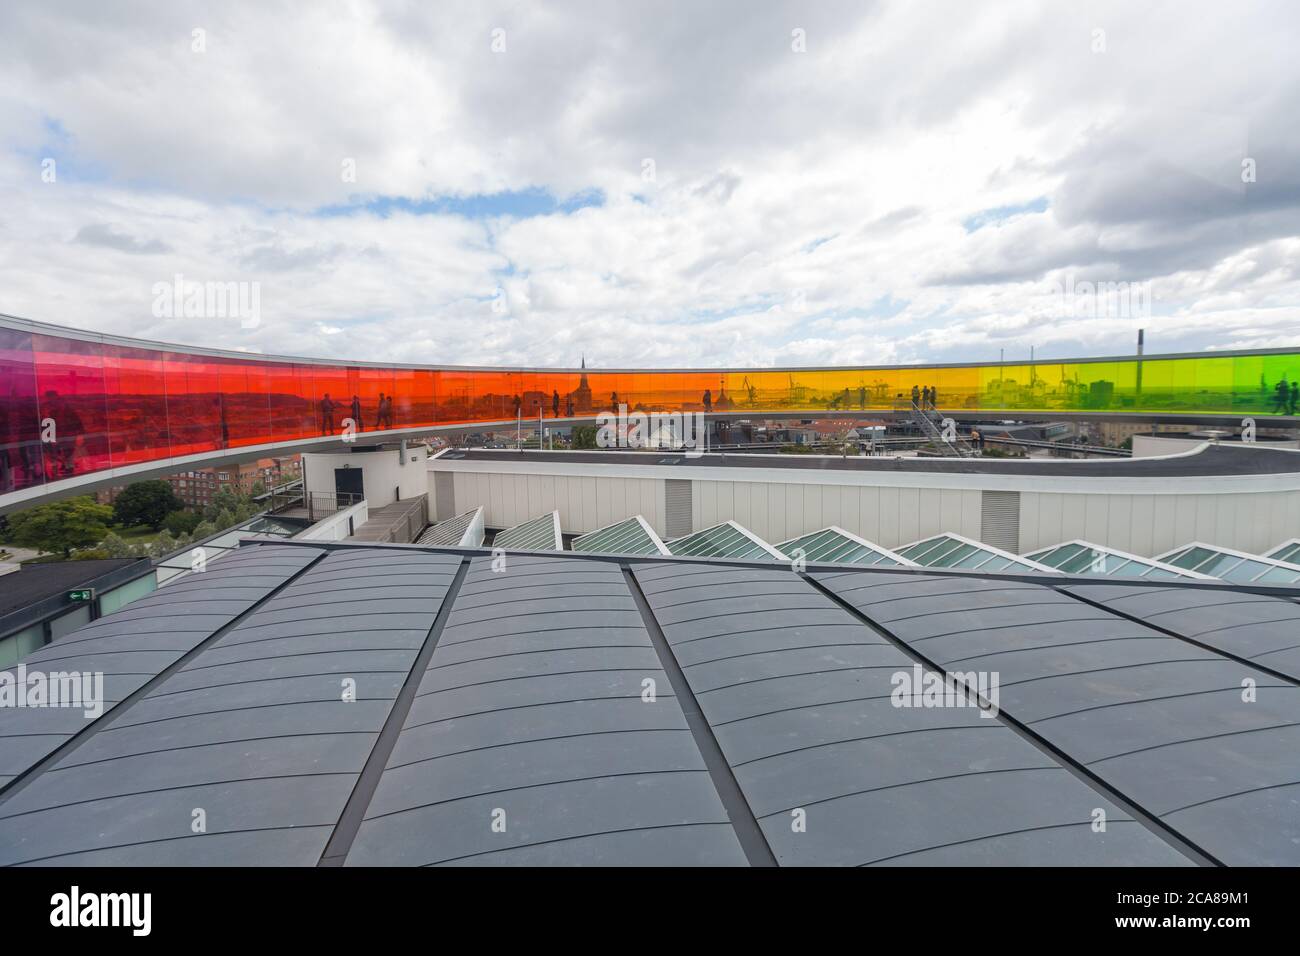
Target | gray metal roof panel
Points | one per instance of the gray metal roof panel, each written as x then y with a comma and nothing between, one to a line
251,848
534,708
129,655
531,703
264,753
1056,689
811,726
1259,628
676,845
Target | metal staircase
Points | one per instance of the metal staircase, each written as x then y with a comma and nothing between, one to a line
930,428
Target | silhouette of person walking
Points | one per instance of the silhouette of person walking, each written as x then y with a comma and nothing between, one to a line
356,413
1281,397
708,400
916,395
555,403
327,406
518,404
225,425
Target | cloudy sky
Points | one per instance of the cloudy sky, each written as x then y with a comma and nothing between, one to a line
660,183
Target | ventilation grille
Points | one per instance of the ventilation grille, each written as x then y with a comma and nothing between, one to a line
1000,520
444,494
677,508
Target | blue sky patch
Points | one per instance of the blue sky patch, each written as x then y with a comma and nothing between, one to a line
987,217
515,204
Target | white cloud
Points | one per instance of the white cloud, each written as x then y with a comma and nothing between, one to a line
807,208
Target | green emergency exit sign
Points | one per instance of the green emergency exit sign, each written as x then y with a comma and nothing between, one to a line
82,594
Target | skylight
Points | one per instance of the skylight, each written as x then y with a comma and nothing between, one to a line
1229,565
539,534
1086,558
836,545
632,536
954,551
726,540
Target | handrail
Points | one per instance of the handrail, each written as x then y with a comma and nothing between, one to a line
934,434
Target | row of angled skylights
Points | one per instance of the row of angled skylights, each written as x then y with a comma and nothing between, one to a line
835,545
1229,565
1084,557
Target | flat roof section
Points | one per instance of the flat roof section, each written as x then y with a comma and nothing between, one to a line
36,582
1211,460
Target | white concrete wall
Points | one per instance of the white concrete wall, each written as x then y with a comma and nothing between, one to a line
585,503
1146,516
1148,525
889,516
777,512
381,472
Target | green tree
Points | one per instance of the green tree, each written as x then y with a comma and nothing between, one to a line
115,547
145,502
225,501
61,526
182,522
163,545
584,436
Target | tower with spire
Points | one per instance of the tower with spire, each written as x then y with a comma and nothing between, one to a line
582,394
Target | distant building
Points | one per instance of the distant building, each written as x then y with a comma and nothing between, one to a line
582,394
